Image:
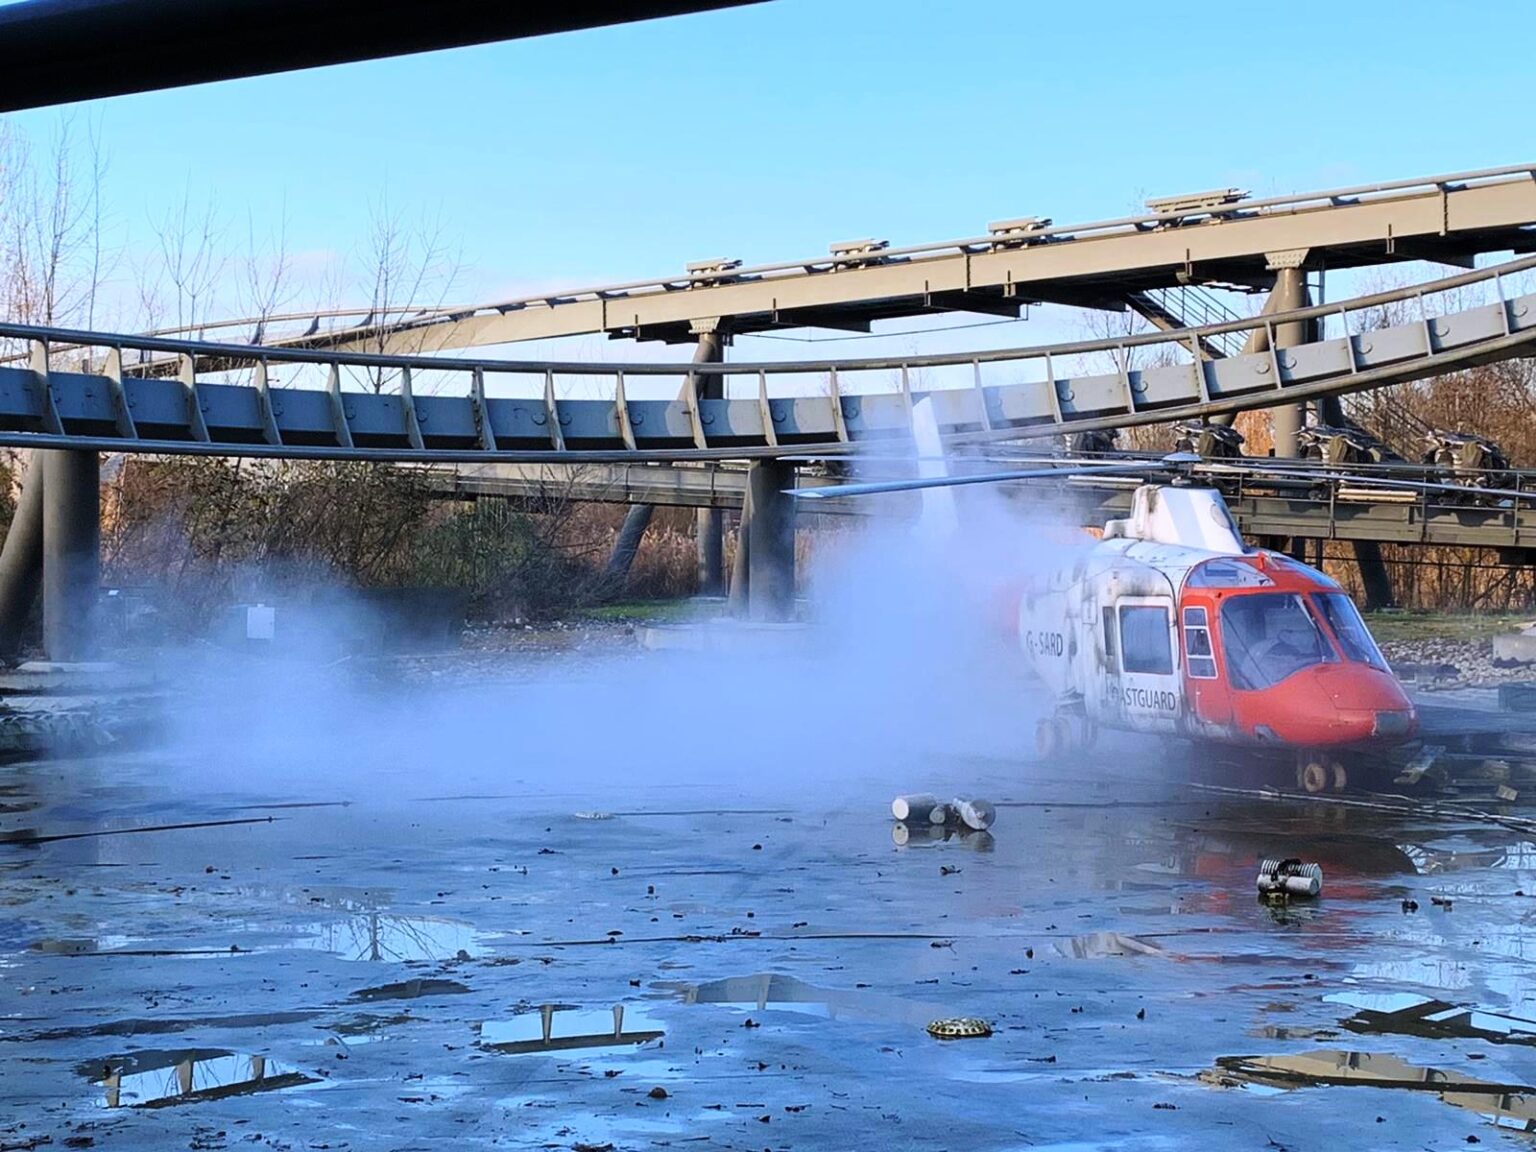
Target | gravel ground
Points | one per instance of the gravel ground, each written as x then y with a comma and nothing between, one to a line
1441,663
484,648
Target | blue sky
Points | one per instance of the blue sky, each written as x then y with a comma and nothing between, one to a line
764,133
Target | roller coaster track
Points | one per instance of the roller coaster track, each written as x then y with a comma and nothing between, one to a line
792,408
1222,238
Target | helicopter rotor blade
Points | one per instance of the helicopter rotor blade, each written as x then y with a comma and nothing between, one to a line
916,483
1367,481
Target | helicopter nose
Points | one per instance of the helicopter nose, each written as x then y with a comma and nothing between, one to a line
1368,703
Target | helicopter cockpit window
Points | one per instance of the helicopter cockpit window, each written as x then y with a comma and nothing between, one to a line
1268,636
1199,657
1344,618
1145,645
1228,574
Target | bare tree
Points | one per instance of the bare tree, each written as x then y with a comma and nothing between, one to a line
265,285
180,290
52,254
404,269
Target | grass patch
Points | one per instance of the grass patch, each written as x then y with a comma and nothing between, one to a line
1396,626
653,611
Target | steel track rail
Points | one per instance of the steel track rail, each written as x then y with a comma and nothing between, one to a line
104,406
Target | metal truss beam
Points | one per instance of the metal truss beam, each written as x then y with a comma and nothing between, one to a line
1448,218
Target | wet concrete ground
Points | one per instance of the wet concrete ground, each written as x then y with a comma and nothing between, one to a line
370,974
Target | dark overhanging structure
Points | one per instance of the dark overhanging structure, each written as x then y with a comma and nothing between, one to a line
61,51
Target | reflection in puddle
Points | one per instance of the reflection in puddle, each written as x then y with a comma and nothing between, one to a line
554,1029
379,936
1099,944
794,995
411,989
906,835
1501,1103
1439,1020
163,1079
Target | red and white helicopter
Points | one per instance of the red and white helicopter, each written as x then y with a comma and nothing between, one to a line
1170,624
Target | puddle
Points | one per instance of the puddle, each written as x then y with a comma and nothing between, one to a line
165,1079
1095,945
411,990
552,1028
1440,1020
160,1025
380,936
1501,1103
772,989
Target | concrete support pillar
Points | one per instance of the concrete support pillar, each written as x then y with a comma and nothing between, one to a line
71,552
741,562
21,560
770,532
710,529
627,543
709,525
1290,292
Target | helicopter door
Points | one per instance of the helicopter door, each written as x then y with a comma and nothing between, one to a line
1210,695
1150,698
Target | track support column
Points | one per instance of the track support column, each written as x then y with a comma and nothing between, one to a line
709,524
769,526
21,560
1290,292
627,543
71,552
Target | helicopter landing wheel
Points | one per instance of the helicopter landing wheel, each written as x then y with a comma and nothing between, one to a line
1060,735
1340,776
1048,740
1313,776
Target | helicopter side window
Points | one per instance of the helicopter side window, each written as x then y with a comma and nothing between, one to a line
1197,644
1344,618
1268,636
1144,642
